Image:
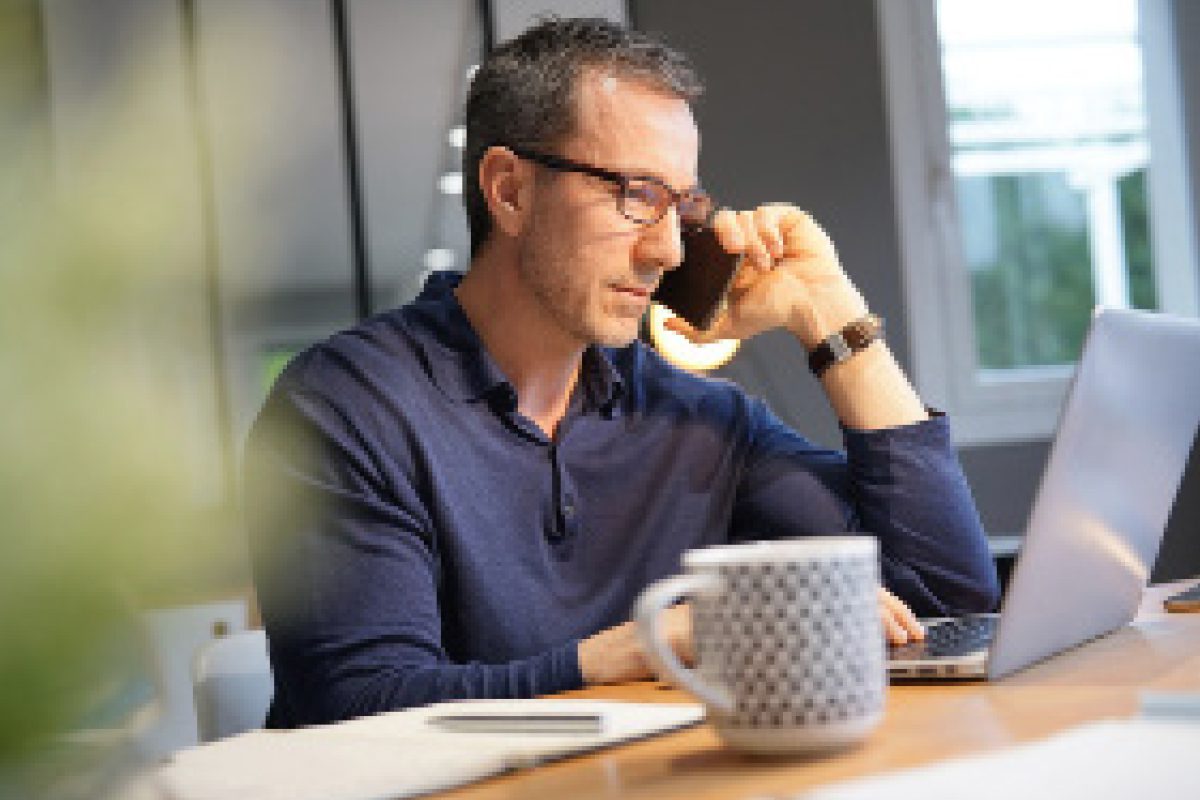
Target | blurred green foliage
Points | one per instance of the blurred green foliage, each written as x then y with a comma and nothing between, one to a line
1135,229
97,483
273,364
1033,301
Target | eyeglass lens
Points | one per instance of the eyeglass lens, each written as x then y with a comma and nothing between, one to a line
647,202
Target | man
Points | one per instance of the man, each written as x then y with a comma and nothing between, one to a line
477,485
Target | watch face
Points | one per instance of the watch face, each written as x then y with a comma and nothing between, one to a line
840,346
862,332
858,334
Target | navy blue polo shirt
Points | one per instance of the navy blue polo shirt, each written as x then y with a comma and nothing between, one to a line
416,539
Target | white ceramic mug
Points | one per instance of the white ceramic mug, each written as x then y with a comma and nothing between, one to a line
789,644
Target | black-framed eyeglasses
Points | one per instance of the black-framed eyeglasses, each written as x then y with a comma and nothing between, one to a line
643,199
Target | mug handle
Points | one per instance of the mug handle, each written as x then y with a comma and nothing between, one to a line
653,600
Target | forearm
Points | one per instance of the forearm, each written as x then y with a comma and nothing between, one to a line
315,690
910,492
909,488
870,391
903,483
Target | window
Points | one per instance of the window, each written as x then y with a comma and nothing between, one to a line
1033,145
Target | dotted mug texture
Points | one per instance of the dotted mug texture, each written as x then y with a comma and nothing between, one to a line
798,646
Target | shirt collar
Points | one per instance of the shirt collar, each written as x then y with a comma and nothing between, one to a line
462,368
601,380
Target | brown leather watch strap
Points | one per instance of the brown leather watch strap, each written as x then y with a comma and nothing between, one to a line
840,346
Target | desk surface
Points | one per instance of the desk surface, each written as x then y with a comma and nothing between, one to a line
923,723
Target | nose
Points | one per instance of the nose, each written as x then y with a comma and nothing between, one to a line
661,244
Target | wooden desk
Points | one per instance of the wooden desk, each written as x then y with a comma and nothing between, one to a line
923,723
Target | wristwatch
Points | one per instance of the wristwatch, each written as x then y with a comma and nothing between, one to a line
841,345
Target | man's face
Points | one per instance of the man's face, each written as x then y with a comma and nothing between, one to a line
592,270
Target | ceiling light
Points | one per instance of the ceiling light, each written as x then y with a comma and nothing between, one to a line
439,258
451,183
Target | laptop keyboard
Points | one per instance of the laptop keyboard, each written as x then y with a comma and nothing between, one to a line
952,637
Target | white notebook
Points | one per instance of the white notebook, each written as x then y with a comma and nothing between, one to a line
399,754
1109,760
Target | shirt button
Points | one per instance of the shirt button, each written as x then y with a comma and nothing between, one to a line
569,509
508,398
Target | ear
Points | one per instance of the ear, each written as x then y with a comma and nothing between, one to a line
506,183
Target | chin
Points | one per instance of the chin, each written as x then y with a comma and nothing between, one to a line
615,333
614,342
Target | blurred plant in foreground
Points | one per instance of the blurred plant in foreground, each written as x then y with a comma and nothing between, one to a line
98,295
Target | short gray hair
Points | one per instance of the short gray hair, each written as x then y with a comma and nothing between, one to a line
524,93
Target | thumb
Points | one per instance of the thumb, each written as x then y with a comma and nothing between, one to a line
687,331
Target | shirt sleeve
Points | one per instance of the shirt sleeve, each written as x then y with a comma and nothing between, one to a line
903,485
346,569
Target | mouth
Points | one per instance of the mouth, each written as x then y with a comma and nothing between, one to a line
634,292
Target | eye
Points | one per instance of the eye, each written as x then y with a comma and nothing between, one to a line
646,195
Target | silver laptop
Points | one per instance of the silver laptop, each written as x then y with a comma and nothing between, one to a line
1123,439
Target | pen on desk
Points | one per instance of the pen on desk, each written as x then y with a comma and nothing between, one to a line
520,723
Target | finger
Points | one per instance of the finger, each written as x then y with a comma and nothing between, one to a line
756,250
895,632
679,632
902,614
892,627
743,280
683,328
913,625
803,236
766,219
905,616
729,232
745,276
691,333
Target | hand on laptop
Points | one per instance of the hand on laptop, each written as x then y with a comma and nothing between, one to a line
900,624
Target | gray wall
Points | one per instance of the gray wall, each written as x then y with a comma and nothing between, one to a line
795,111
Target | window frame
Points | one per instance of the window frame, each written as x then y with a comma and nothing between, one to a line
999,406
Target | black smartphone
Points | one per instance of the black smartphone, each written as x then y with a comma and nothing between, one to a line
694,290
1188,600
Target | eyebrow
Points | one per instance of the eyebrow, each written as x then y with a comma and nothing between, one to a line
643,174
646,176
